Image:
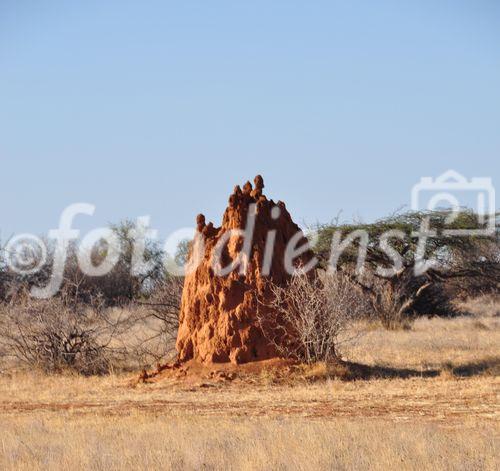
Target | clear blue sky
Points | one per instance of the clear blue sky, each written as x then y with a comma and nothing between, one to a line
160,107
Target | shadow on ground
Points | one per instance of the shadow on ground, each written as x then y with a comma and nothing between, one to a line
356,371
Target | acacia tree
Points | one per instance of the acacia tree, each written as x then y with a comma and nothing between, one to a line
459,264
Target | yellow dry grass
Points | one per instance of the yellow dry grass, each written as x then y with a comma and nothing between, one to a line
432,403
143,442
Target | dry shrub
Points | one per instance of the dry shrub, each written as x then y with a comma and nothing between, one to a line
389,305
78,331
311,316
398,301
159,317
60,334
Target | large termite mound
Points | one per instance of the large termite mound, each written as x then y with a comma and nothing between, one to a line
222,313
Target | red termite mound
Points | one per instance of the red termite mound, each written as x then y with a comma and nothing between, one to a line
221,315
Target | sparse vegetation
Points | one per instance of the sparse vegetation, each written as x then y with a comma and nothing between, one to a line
160,313
314,314
462,266
432,403
440,374
122,285
93,324
60,334
318,308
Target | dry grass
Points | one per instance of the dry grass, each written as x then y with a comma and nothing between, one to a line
432,403
147,442
431,344
483,306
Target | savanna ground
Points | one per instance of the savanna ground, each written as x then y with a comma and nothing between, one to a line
429,400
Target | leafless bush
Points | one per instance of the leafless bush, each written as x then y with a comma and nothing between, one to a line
60,334
397,301
159,316
309,318
391,300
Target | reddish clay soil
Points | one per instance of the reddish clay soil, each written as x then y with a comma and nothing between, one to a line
454,402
